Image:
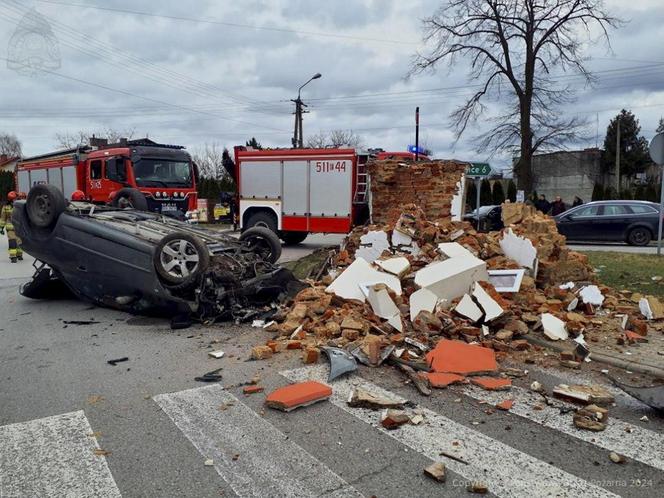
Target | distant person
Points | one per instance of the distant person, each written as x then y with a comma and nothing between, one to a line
542,204
558,206
577,201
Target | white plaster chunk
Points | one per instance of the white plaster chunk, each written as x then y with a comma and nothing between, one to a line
422,300
372,245
384,307
349,284
644,306
453,249
469,309
553,327
453,277
591,294
456,208
396,266
492,309
518,249
401,239
381,302
573,304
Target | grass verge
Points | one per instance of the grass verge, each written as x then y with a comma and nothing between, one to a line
633,272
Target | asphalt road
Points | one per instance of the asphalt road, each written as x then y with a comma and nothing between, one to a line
73,425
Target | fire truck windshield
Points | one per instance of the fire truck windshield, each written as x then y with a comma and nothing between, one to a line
162,173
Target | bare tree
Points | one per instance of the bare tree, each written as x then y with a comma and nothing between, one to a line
512,46
335,139
10,146
210,161
69,140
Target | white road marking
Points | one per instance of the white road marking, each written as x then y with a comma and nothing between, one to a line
639,444
268,465
53,456
507,471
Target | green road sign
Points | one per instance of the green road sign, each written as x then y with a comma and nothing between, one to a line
478,169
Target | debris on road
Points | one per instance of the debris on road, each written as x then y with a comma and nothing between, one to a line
216,354
361,398
593,394
341,362
252,389
213,376
296,395
393,419
436,471
478,488
617,458
117,360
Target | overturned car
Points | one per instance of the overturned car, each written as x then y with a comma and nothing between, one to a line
145,262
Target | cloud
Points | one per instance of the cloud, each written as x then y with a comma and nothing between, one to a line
227,79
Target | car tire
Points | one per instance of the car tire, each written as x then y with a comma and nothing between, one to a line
293,238
264,242
130,197
639,236
181,258
44,205
262,219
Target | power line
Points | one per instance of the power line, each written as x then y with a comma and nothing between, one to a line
230,24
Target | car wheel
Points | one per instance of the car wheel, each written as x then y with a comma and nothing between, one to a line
639,237
264,242
44,205
130,198
181,258
293,238
262,219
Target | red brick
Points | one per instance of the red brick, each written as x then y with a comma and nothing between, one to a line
252,389
440,380
295,395
491,383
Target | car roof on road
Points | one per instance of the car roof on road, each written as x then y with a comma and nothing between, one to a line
618,201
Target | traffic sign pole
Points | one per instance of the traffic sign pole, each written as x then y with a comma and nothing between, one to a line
477,203
656,150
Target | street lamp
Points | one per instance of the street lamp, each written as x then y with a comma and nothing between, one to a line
299,105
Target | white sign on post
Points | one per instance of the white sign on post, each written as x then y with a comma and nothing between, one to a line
520,196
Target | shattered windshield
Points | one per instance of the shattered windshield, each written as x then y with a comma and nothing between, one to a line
162,173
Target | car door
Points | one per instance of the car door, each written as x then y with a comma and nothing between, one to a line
614,220
580,224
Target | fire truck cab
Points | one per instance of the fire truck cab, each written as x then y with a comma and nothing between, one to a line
164,174
298,191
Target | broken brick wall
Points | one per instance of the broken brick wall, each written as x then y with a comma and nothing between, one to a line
429,185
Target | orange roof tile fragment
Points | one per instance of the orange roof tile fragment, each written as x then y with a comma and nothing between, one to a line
440,380
295,395
491,383
506,404
461,358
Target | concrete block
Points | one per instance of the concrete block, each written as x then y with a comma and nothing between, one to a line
422,300
360,273
453,277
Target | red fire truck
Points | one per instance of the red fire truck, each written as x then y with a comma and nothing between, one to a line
298,191
164,174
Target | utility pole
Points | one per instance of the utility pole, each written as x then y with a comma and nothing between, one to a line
618,156
417,133
298,140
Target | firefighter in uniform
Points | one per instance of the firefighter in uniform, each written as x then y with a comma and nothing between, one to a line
15,252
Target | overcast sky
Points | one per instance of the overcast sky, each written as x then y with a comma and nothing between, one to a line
231,77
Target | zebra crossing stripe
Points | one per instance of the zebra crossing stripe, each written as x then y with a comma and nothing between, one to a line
507,471
269,463
628,439
53,456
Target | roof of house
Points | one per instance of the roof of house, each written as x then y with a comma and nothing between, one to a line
4,160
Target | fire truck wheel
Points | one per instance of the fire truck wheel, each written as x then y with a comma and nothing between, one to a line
181,258
293,238
263,241
44,205
130,198
262,219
